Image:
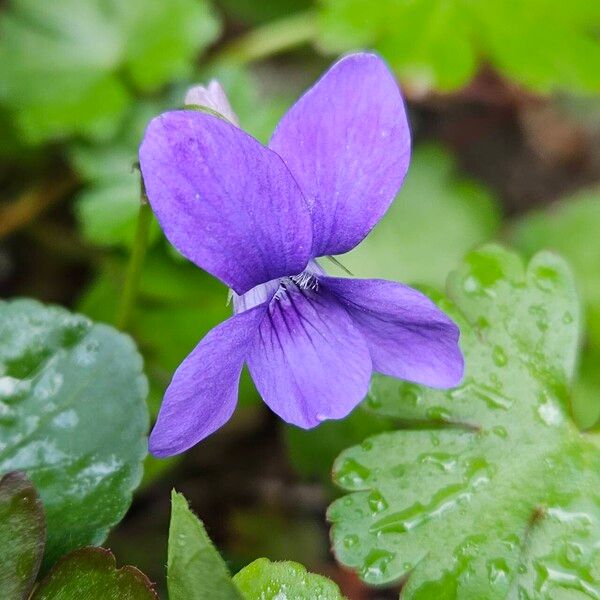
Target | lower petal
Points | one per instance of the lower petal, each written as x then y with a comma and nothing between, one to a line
408,335
203,392
309,362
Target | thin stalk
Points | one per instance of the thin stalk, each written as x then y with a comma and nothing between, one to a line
136,263
270,39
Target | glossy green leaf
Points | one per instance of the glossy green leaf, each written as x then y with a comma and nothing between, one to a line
491,491
69,67
195,568
570,227
436,218
22,536
73,417
92,573
441,43
266,580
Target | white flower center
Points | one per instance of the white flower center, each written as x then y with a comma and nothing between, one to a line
278,289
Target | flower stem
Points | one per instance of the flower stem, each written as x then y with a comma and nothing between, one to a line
136,262
270,39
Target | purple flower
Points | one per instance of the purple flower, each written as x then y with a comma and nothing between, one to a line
256,218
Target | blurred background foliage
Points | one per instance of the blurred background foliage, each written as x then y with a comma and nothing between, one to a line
506,121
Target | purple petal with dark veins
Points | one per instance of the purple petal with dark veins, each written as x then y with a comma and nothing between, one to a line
309,361
224,201
203,392
347,143
408,335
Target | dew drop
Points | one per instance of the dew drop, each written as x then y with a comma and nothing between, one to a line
377,503
499,356
13,389
352,474
545,278
500,431
350,541
550,413
376,563
373,402
497,570
573,553
410,395
438,413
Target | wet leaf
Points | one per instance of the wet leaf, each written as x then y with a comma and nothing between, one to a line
72,67
571,228
441,43
196,570
92,573
436,218
22,536
266,580
491,491
73,417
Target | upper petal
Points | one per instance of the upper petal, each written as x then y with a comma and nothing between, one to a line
408,335
347,143
309,362
203,392
224,201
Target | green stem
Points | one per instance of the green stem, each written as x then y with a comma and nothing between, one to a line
134,268
270,39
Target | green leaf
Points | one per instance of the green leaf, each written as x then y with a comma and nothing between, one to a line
195,569
436,218
441,43
73,417
107,207
71,67
92,573
266,580
570,227
491,491
22,536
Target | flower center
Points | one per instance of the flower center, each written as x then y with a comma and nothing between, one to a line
278,289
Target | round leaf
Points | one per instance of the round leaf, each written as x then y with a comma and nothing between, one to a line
73,417
491,491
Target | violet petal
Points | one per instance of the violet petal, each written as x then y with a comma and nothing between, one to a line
409,337
347,143
224,201
309,362
203,392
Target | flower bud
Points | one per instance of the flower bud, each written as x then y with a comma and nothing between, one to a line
212,97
